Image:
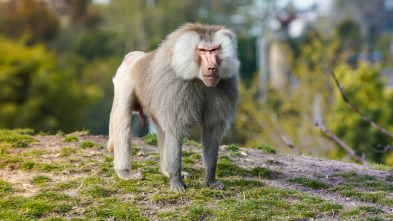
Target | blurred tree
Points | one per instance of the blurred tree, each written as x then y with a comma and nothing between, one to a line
33,92
100,73
29,17
287,113
350,35
372,16
366,90
96,44
83,12
249,122
247,55
79,9
384,45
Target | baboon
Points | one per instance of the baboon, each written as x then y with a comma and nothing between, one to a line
190,79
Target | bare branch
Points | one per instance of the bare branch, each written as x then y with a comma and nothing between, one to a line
364,117
290,144
329,134
384,149
288,141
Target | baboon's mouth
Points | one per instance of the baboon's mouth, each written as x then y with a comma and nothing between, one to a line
211,80
211,76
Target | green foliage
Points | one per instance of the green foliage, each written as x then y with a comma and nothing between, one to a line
266,149
150,139
247,56
350,35
314,184
95,45
267,114
29,17
35,93
270,114
365,89
249,121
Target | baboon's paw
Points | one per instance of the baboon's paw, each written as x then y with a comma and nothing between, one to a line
178,187
185,175
127,175
215,185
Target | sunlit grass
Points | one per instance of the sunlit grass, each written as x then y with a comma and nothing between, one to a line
17,137
71,138
314,184
150,139
82,178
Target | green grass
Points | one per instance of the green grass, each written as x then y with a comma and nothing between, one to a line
192,143
67,151
70,139
262,172
150,139
364,188
17,137
28,208
370,183
89,144
378,166
232,148
40,179
266,149
361,212
226,167
79,183
256,202
5,188
98,192
314,184
28,165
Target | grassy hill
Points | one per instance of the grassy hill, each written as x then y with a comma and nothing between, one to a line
71,177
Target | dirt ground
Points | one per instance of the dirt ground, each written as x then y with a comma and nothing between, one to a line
289,166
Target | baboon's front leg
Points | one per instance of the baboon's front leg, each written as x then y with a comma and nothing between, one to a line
211,138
